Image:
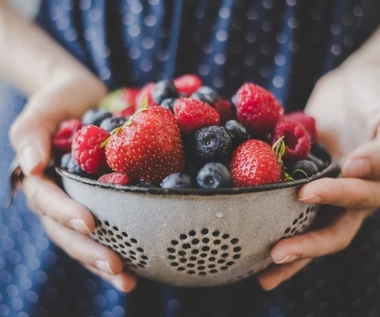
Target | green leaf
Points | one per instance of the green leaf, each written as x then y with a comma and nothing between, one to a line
104,143
279,149
287,177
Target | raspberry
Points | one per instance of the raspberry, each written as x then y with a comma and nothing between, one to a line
187,84
296,139
114,178
63,139
307,122
257,108
225,110
193,114
87,150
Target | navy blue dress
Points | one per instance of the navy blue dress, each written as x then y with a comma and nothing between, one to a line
282,45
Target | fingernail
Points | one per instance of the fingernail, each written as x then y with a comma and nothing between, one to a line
79,225
30,158
271,287
286,259
313,199
104,266
356,168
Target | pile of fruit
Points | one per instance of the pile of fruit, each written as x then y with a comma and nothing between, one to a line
181,134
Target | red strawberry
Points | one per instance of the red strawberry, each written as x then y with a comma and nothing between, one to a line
129,96
63,139
225,110
145,92
257,108
114,178
148,147
307,122
187,84
254,163
87,150
296,139
193,114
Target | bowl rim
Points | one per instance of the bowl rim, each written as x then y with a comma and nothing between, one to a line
333,170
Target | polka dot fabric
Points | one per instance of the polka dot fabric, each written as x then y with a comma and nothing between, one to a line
226,42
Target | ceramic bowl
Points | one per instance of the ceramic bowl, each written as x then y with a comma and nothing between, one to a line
194,237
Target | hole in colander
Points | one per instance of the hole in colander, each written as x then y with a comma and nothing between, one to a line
203,249
127,247
301,215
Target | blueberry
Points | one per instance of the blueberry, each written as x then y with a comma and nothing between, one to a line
320,152
72,167
319,163
237,132
95,116
205,98
145,185
212,144
303,169
162,90
168,103
111,124
210,92
177,180
65,160
233,100
214,175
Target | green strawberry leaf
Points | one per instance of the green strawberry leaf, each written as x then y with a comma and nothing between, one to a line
104,143
287,177
279,148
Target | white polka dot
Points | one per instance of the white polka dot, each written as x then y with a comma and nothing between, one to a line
56,13
129,19
14,257
25,283
150,20
118,311
33,263
107,314
148,43
266,26
199,13
224,13
252,15
136,7
278,81
85,4
267,4
250,37
220,59
62,24
163,56
335,29
70,35
265,49
89,34
280,59
207,48
104,73
103,51
134,53
41,277
12,290
221,35
95,14
146,65
4,310
22,314
281,38
292,23
336,49
249,60
358,11
134,30
218,82
99,300
291,2
32,297
7,244
204,70
154,2
17,303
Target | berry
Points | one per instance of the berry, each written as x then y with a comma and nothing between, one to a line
225,109
72,167
296,139
193,114
187,84
148,147
65,160
110,124
145,93
95,116
130,95
177,180
114,178
168,103
255,163
63,139
237,132
206,94
213,144
145,185
320,152
87,150
318,162
303,169
162,90
307,122
257,108
214,175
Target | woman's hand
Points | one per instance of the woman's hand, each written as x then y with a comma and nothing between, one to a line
67,223
346,105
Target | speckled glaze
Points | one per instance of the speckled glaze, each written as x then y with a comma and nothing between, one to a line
194,237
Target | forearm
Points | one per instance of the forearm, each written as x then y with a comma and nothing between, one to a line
32,61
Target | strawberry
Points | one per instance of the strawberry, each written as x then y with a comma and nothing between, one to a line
114,178
63,139
257,108
296,139
129,96
148,147
145,92
187,84
307,122
192,114
225,110
254,163
87,150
